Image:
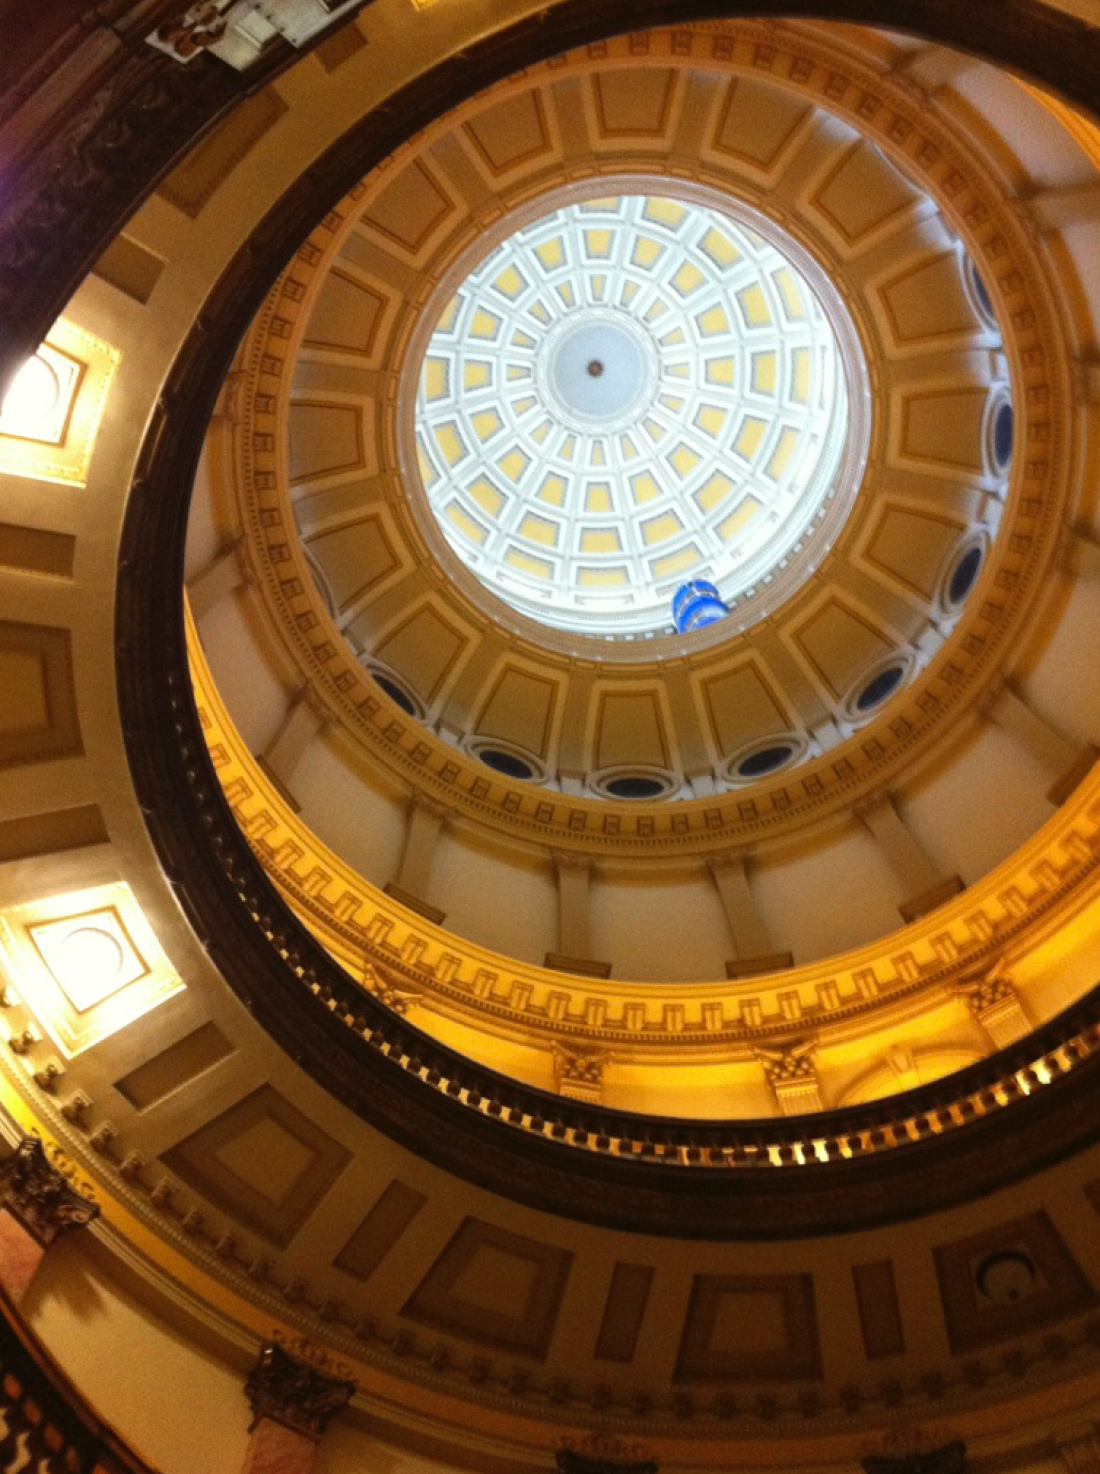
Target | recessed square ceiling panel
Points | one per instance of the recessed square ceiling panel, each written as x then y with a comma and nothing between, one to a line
495,1287
263,1162
1008,1281
749,1328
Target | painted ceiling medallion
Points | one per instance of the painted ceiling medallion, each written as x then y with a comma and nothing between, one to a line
632,391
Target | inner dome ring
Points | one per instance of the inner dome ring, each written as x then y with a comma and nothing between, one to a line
607,565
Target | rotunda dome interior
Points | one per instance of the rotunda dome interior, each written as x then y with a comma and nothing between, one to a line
425,954
806,396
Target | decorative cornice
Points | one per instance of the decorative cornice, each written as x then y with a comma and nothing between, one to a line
39,1196
292,1392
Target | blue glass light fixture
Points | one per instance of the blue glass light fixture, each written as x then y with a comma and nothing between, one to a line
697,604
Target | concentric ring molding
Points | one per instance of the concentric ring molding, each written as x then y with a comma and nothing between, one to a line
999,243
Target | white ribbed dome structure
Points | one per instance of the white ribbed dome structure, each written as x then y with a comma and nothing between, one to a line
630,391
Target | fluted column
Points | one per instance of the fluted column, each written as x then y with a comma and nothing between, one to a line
222,576
574,922
1066,763
923,885
574,952
412,885
292,1404
38,1205
753,950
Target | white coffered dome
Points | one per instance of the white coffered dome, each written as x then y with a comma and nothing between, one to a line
635,389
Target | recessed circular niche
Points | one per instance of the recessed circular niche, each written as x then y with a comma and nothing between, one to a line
875,692
767,760
506,763
397,693
627,392
962,574
1006,1276
877,684
507,759
979,295
763,756
638,784
633,785
1002,435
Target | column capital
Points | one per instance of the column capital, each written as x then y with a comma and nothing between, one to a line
951,1459
39,1196
301,1397
793,1061
985,988
579,1073
428,804
872,804
600,1454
